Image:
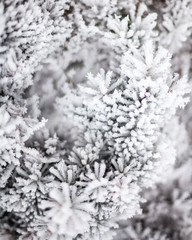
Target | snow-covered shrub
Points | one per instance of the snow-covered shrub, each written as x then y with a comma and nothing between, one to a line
89,121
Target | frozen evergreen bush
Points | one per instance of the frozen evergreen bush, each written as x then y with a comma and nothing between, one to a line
92,127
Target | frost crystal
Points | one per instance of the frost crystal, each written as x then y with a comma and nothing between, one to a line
94,134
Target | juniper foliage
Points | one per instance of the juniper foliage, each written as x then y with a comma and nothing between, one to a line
95,140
